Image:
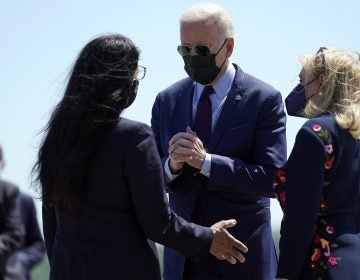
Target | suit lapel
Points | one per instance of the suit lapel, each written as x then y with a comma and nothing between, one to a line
233,103
182,114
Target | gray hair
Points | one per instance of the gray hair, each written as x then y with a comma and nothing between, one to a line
213,14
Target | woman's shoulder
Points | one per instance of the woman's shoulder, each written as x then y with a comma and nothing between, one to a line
131,127
325,122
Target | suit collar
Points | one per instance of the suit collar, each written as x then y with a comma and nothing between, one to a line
234,101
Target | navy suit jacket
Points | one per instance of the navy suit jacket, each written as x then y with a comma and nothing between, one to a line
32,246
320,193
125,204
247,145
11,232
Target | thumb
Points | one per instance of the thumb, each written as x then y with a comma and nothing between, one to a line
189,130
229,223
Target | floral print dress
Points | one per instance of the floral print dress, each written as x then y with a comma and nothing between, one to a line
319,192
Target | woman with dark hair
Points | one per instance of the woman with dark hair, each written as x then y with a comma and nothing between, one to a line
101,178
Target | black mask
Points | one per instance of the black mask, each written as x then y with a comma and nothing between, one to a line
295,102
131,95
202,69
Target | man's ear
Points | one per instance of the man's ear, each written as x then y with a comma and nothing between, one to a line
229,46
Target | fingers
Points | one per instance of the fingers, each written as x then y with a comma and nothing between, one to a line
236,243
229,258
182,135
237,255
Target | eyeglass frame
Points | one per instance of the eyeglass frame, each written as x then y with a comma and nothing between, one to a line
142,71
198,49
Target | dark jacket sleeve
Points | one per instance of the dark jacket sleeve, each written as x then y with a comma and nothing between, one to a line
49,229
304,186
11,230
269,153
145,177
32,252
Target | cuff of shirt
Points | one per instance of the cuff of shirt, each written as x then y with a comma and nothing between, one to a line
205,169
168,175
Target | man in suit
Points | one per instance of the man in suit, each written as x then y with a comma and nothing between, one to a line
32,248
219,149
11,229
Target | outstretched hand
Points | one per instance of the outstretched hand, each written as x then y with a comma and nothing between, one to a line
224,246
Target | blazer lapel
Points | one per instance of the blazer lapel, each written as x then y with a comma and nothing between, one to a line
182,113
233,103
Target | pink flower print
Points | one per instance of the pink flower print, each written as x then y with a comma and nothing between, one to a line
330,229
332,261
316,127
329,148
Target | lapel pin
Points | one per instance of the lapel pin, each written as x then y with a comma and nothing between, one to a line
237,97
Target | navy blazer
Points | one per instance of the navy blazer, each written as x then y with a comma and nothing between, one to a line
320,191
11,231
125,204
247,145
32,246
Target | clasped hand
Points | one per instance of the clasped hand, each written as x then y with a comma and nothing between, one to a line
186,147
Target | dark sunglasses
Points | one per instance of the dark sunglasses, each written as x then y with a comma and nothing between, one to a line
203,50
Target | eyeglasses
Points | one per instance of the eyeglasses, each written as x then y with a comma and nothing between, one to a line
202,50
140,73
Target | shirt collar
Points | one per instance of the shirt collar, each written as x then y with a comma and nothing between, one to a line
223,84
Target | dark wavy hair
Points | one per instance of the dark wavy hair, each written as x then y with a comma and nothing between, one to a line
96,94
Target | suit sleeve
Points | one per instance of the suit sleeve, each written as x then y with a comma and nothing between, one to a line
269,153
49,228
146,184
304,185
11,230
33,250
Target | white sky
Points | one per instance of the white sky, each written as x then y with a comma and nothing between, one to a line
41,39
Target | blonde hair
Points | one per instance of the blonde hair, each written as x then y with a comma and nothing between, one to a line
340,71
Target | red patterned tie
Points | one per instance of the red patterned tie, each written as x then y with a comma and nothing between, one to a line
202,122
202,127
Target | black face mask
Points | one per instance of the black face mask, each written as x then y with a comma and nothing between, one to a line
202,69
131,95
295,102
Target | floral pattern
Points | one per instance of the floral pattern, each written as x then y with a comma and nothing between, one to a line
321,257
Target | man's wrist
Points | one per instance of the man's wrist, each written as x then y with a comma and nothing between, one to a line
174,171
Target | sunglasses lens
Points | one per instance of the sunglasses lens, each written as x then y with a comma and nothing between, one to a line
202,50
184,50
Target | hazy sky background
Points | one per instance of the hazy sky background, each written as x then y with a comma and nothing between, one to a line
41,39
